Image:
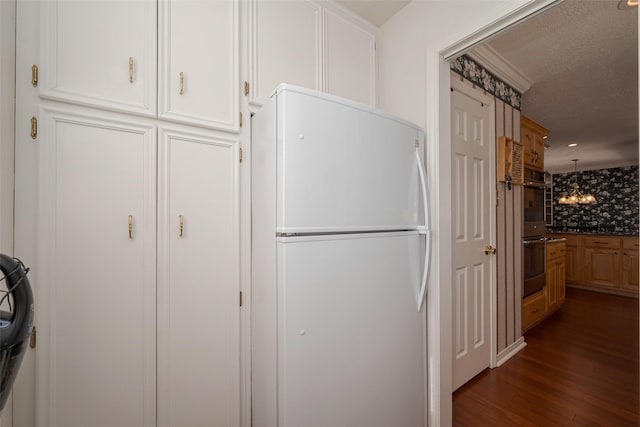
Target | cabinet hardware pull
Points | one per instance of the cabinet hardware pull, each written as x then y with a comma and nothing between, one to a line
34,338
131,226
131,69
181,219
34,128
34,75
181,83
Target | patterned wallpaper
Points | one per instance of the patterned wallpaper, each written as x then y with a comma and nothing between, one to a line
616,191
480,76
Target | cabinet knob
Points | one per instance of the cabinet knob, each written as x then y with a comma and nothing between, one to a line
130,226
181,83
131,69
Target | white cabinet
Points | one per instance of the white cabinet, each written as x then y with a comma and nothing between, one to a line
96,315
313,45
198,62
198,285
350,60
285,46
100,53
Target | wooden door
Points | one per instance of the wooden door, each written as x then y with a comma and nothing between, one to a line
100,53
96,298
473,277
573,265
199,62
198,286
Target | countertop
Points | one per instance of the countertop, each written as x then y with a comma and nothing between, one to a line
596,233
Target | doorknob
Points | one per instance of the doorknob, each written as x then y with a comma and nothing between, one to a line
489,250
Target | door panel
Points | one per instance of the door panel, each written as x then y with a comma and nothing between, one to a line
198,287
199,86
284,46
96,291
100,53
472,231
351,346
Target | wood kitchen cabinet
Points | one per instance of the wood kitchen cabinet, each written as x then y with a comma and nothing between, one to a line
630,264
602,263
555,289
541,304
602,260
573,258
532,135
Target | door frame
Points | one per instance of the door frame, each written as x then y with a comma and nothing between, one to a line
438,157
489,101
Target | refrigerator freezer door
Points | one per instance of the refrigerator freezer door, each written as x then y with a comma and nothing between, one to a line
351,345
344,168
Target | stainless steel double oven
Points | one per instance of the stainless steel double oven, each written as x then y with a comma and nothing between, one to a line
534,233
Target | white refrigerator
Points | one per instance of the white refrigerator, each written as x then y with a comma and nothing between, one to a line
340,258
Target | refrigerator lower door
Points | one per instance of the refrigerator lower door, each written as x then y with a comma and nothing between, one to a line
351,345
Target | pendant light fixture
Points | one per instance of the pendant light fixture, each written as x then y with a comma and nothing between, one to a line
576,196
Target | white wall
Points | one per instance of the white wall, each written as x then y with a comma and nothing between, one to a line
414,84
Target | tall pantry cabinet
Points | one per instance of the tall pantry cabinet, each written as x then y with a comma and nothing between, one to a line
134,159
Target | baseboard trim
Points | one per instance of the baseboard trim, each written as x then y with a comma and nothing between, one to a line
510,351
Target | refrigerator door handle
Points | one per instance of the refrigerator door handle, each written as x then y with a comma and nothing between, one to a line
424,229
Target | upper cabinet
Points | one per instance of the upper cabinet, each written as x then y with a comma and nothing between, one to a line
100,53
198,62
350,60
179,60
533,135
314,45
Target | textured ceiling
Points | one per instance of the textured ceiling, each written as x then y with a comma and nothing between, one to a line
582,56
583,59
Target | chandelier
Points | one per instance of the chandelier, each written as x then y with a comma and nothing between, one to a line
576,196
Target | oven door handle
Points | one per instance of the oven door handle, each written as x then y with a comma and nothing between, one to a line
535,242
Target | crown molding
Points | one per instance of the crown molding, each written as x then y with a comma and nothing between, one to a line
501,68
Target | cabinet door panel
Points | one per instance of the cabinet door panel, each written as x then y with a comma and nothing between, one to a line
198,286
350,57
198,60
602,267
96,290
100,53
285,46
630,269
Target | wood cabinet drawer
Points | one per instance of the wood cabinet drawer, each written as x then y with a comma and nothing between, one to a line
533,309
602,242
572,239
555,250
630,243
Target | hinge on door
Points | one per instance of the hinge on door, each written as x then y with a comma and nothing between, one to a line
240,118
240,298
240,154
34,127
32,341
246,88
34,75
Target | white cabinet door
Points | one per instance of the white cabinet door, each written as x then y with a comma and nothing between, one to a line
350,60
96,295
100,53
198,57
284,46
198,282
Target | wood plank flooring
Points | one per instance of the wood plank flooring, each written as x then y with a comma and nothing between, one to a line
580,368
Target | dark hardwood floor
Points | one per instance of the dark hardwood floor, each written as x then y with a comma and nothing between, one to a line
580,368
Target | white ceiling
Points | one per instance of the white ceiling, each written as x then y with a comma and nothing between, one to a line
375,11
582,57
